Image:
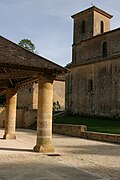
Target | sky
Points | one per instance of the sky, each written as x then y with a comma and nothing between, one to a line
48,23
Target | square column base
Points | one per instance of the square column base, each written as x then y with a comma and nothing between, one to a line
9,136
44,148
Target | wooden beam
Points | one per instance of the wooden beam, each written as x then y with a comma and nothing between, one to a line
2,92
48,69
9,78
13,75
25,82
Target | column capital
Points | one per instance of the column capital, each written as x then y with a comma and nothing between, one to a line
11,92
49,77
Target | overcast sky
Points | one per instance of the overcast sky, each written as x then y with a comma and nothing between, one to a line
48,23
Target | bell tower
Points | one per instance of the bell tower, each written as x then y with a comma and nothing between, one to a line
89,23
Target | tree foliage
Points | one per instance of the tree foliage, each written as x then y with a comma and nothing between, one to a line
68,65
27,44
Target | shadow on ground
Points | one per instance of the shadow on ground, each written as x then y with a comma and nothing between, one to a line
15,149
43,171
92,149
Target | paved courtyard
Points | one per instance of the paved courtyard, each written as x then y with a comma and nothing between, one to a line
79,159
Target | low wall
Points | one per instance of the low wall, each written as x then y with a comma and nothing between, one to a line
81,131
25,117
67,129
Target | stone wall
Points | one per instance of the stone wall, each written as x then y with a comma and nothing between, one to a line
28,96
27,103
87,44
25,97
93,85
24,117
102,96
59,93
91,49
70,130
88,18
81,131
97,23
92,20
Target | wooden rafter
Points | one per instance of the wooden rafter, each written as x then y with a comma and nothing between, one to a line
9,78
25,82
17,74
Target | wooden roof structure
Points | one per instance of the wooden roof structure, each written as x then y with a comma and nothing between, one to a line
19,66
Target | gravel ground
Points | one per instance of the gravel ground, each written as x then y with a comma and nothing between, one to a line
79,159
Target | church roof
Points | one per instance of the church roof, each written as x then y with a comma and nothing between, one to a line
93,8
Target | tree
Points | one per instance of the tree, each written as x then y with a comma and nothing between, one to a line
27,44
68,65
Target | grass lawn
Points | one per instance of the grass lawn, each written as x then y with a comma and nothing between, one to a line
93,124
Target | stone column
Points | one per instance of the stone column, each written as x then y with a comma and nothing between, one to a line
44,115
10,121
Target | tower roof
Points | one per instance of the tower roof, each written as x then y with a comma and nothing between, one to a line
93,8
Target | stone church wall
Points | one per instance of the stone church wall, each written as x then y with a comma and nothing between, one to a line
94,89
91,49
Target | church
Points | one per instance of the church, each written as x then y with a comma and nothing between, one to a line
93,83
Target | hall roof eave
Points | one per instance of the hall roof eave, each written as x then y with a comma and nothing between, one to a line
20,67
20,58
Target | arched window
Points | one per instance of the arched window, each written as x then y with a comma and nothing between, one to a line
90,85
104,49
83,27
102,27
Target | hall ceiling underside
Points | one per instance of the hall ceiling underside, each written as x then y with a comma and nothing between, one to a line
17,78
